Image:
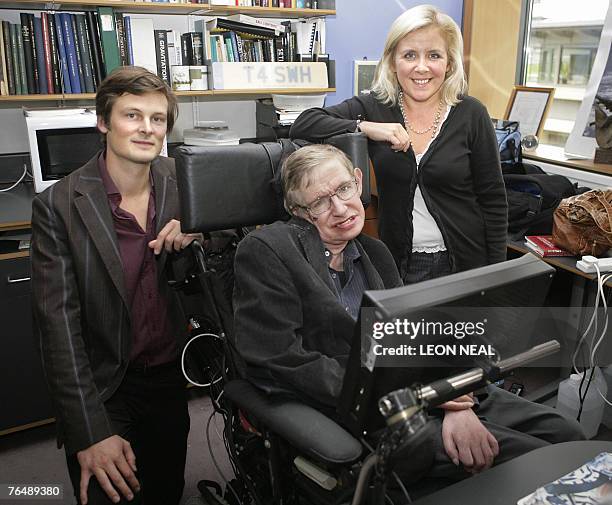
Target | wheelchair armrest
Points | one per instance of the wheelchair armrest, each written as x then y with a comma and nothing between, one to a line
304,427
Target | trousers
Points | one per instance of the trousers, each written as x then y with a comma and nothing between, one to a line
149,410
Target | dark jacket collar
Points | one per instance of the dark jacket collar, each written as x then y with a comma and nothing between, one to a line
314,251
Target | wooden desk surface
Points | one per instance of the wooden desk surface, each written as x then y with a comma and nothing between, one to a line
16,207
556,156
567,263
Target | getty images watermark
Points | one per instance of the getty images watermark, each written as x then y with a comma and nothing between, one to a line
463,336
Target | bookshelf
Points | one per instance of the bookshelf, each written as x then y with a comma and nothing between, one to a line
136,7
221,93
165,8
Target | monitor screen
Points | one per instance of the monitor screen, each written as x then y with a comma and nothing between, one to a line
63,150
498,293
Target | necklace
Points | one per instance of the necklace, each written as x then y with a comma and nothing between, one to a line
434,125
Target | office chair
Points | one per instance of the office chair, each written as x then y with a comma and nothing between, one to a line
233,187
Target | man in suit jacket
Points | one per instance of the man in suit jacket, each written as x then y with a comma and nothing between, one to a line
110,327
298,285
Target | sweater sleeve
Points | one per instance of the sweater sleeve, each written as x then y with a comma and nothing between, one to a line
489,185
320,123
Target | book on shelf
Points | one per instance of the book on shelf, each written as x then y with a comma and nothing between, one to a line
63,58
77,51
47,51
161,54
143,43
8,58
3,74
71,53
590,484
250,20
95,47
544,246
21,60
86,60
108,36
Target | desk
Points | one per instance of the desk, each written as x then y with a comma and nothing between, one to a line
583,294
506,484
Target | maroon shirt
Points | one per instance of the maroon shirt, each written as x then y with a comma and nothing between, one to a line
153,342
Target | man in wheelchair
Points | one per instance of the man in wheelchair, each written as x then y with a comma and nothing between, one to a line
298,287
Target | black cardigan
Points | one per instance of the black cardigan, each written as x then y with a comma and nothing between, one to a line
459,176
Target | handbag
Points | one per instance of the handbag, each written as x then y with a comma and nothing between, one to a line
582,224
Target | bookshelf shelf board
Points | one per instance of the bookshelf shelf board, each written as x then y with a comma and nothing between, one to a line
217,92
164,8
270,12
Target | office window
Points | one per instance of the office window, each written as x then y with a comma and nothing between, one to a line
562,38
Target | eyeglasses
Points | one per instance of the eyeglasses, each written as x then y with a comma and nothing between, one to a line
344,192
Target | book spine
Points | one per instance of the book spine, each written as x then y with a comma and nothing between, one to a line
44,18
21,60
187,49
55,63
27,52
237,47
3,76
227,39
63,59
108,35
77,50
198,48
161,54
71,57
10,70
40,56
127,21
82,41
94,48
121,40
34,54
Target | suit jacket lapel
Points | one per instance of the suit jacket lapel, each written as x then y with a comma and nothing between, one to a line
314,251
373,277
166,203
92,205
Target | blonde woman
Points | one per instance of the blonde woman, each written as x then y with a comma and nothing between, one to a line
442,202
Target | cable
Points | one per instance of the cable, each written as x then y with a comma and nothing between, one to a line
213,381
25,171
214,460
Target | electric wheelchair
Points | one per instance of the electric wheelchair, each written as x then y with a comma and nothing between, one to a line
233,188
283,451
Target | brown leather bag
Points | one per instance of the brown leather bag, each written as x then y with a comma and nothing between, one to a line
582,224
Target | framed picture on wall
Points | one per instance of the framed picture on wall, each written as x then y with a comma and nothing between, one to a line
363,76
529,106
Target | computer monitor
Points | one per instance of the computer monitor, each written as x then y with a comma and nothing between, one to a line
499,291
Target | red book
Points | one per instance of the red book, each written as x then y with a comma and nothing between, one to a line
543,245
47,51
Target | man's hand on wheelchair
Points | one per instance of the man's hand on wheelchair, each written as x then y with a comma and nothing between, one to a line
463,402
171,238
112,462
467,441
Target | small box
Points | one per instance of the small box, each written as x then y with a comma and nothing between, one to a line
198,77
180,78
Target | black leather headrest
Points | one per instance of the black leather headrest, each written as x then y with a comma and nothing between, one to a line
232,186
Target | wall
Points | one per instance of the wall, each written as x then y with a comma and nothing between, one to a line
353,33
359,29
493,52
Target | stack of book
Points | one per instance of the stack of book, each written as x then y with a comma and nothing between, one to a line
242,38
544,246
289,4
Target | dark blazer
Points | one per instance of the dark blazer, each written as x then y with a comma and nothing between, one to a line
79,297
289,327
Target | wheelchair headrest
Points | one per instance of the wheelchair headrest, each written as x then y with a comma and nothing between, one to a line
233,186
